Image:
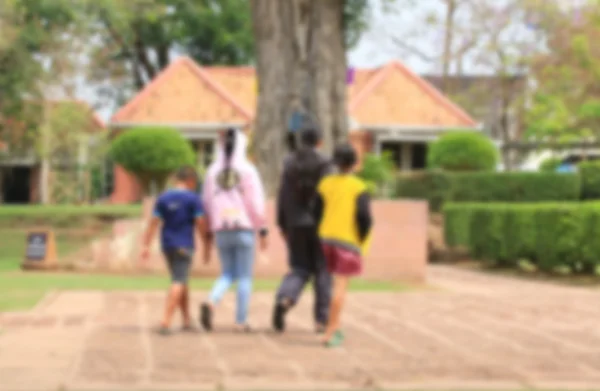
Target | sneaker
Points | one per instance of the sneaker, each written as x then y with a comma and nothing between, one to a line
206,316
163,331
336,340
279,317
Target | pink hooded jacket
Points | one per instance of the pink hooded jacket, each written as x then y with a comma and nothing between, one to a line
242,206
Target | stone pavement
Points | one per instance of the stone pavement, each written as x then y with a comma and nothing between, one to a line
470,331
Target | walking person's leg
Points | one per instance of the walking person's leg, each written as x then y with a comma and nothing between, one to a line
343,264
294,281
333,335
321,283
322,288
184,305
179,263
244,265
222,284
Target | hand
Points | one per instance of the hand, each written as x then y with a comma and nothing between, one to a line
263,243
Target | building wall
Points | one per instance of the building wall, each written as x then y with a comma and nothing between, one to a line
126,189
362,142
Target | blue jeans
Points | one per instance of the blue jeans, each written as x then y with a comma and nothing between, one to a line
236,253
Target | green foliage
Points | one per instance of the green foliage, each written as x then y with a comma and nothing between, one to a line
356,20
550,236
377,170
439,187
550,164
28,29
138,37
152,154
63,215
514,187
463,151
432,186
590,180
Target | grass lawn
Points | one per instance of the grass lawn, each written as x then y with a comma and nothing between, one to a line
22,290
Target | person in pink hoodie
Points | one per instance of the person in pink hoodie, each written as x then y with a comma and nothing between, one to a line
234,202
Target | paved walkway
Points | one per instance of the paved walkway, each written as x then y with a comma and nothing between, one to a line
471,332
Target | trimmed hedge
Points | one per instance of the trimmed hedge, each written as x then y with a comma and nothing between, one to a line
64,214
439,187
551,236
590,180
515,187
427,185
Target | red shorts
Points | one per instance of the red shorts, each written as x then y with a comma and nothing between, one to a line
342,261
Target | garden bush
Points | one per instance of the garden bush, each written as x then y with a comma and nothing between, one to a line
152,154
378,172
549,235
439,187
590,180
514,187
432,186
463,151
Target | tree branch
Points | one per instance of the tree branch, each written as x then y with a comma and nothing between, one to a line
412,50
141,53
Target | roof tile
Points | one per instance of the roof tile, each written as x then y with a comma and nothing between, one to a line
185,92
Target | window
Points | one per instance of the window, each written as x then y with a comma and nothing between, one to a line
204,151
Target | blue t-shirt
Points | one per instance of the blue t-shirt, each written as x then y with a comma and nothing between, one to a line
178,209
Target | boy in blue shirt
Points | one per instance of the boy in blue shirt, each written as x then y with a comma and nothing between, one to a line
180,211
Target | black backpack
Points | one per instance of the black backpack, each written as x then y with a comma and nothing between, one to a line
306,170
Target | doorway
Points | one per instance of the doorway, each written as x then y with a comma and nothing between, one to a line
16,185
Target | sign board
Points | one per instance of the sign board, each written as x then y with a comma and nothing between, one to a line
40,250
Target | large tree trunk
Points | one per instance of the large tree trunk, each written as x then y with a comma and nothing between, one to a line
301,67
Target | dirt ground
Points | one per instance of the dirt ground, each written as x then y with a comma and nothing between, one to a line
470,331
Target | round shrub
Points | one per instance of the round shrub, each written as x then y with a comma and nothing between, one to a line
463,151
152,154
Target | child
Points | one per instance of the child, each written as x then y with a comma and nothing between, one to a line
345,224
302,173
180,211
235,204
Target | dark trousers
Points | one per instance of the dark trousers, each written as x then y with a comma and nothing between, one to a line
307,263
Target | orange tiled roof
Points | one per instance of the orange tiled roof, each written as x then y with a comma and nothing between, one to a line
187,93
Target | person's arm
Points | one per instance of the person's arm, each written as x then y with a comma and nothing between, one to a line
254,198
364,218
280,201
319,206
203,229
207,195
151,229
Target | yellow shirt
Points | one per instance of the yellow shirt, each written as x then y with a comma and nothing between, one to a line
339,225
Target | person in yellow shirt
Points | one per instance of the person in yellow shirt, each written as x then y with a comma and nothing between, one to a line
345,221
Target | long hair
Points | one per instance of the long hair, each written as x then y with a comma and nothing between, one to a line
228,177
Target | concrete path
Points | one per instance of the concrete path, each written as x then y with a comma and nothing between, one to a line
472,332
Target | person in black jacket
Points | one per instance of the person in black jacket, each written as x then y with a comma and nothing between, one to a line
296,202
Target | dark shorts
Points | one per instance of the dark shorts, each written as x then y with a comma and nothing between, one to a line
342,261
179,263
